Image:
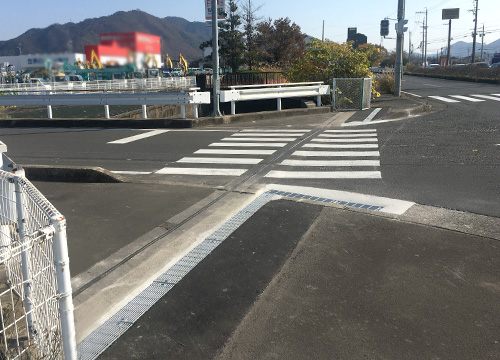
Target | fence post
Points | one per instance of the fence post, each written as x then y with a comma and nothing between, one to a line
25,255
334,90
318,101
183,111
279,99
64,292
49,111
362,93
144,112
106,111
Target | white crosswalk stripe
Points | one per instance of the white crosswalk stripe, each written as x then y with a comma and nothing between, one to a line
444,99
473,98
288,139
466,98
347,161
488,97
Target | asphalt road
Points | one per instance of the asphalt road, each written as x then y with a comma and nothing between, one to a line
448,158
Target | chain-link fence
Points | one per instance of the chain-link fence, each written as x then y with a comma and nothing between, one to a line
36,309
351,94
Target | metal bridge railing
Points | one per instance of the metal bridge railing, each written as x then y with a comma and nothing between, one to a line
36,306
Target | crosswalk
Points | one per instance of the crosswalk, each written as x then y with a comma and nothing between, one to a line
337,154
473,98
240,151
332,154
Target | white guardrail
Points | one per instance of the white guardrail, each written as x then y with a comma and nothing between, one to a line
192,97
273,91
151,84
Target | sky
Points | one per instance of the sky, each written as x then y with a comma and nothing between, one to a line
309,15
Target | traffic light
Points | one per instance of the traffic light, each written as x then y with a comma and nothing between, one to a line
401,28
384,28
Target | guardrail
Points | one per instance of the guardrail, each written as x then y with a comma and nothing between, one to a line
106,99
149,84
273,91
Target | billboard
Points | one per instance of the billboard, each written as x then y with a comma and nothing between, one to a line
221,9
449,14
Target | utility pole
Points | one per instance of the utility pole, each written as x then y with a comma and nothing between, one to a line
215,58
398,70
323,34
449,44
424,38
474,34
482,44
426,28
409,46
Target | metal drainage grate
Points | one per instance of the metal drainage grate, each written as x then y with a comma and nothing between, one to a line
106,334
325,200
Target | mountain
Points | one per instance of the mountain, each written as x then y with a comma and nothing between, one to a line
178,35
463,49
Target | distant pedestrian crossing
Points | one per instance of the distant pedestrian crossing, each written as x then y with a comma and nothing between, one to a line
332,154
473,98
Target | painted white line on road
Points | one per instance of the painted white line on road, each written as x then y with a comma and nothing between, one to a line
433,85
132,172
466,98
351,131
345,140
372,115
235,152
337,153
201,171
324,174
368,135
496,94
331,162
444,99
341,146
231,144
359,123
239,161
405,92
138,137
259,139
268,134
487,97
273,131
391,206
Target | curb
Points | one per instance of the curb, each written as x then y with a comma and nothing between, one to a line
158,123
73,174
401,113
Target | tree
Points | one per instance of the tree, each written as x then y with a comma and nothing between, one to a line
280,42
231,39
375,53
250,20
323,61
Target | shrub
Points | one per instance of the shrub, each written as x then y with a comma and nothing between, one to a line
385,83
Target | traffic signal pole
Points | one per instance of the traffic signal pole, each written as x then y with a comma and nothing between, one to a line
215,59
398,71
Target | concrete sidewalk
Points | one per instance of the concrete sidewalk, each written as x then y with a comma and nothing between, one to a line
300,280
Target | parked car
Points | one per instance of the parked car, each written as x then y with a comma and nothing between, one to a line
495,65
481,64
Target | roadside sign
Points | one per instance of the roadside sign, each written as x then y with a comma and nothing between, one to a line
221,9
449,14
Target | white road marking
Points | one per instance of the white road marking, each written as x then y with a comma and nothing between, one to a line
324,174
235,152
487,97
200,171
392,206
258,139
405,92
337,153
231,144
466,98
239,161
348,135
345,140
372,115
433,85
267,134
273,131
496,94
351,131
342,146
331,163
132,172
444,99
138,137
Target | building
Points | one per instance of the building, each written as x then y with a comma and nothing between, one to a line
122,48
37,61
357,38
